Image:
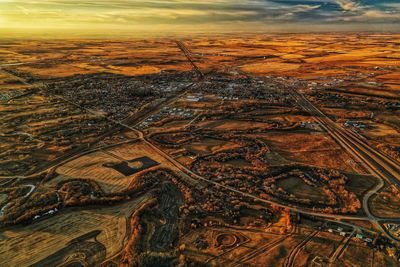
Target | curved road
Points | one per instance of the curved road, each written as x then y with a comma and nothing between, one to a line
380,165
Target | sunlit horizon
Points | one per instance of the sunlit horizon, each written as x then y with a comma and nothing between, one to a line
58,18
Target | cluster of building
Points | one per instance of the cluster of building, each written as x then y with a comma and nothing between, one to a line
194,98
113,97
347,232
118,96
381,244
394,228
167,112
8,95
311,125
230,98
355,124
232,88
50,212
339,230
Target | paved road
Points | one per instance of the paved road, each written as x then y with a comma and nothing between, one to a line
341,248
134,119
290,260
380,165
262,249
187,171
15,64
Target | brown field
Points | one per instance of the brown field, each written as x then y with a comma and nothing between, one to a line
296,186
276,256
344,114
121,58
322,245
352,77
381,131
7,81
359,184
231,125
356,251
175,125
59,71
26,245
208,145
269,67
316,149
133,71
386,204
273,54
239,253
373,91
3,197
90,166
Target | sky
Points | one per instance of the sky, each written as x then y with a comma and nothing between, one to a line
140,17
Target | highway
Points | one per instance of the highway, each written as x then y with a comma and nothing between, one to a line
189,55
187,171
376,162
135,119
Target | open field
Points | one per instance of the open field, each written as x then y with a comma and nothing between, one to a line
27,245
94,167
233,125
35,127
356,251
295,186
322,245
386,204
83,56
316,149
119,153
208,145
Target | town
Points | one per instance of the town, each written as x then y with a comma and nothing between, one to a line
209,154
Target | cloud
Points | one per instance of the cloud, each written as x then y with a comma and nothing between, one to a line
221,14
348,5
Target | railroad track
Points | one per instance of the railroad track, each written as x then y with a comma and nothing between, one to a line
239,262
341,248
189,57
134,119
289,262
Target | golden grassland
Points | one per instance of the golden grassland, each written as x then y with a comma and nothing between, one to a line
316,149
91,166
26,245
386,204
269,67
230,125
57,59
297,187
294,55
248,241
318,58
356,250
208,145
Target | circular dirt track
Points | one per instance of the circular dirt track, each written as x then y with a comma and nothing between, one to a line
226,240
